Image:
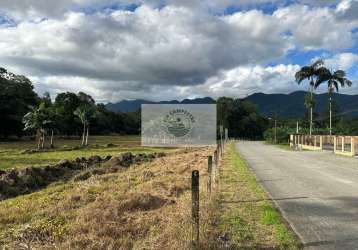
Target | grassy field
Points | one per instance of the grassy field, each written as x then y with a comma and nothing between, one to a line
145,206
13,154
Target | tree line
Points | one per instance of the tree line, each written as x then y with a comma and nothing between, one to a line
23,113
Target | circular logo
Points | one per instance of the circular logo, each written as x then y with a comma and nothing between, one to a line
178,122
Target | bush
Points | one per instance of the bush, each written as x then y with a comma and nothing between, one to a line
282,133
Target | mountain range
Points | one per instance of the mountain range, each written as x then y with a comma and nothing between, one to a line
281,105
134,105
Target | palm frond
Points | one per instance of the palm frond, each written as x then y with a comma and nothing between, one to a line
339,74
317,64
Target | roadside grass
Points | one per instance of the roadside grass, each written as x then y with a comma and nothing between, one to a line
284,146
248,219
12,153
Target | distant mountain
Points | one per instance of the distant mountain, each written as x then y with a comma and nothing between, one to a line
282,105
134,105
292,105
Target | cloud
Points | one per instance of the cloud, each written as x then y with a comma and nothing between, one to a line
316,28
182,49
245,80
343,61
347,9
173,45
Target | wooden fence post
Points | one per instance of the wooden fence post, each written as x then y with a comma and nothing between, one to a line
210,175
195,207
343,143
334,143
222,148
353,146
216,159
213,169
217,148
321,142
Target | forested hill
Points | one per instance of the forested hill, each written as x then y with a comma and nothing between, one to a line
284,105
292,105
134,105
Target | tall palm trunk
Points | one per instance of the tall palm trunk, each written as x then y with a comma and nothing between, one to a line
83,134
311,122
311,111
330,114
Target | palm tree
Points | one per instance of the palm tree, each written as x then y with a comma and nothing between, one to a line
52,122
37,119
334,80
85,113
309,73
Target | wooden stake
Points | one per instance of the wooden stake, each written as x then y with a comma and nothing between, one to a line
195,207
210,175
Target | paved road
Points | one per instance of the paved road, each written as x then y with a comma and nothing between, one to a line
317,192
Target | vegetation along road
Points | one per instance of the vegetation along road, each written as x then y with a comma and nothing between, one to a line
317,192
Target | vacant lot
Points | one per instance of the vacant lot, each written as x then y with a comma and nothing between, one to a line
145,204
16,153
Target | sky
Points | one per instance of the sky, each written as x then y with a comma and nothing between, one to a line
175,49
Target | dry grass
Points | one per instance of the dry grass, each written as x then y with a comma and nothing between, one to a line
147,206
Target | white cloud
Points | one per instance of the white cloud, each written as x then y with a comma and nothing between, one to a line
245,80
347,9
177,51
343,61
316,28
171,46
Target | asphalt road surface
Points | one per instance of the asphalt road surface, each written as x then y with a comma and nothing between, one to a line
316,192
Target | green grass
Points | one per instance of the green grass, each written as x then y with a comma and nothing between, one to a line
284,146
12,153
249,217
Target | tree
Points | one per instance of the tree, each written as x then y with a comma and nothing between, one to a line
37,119
52,122
16,96
85,113
309,73
334,81
66,104
241,117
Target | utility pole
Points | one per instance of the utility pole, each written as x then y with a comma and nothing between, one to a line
330,115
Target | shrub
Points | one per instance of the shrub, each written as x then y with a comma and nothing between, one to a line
282,133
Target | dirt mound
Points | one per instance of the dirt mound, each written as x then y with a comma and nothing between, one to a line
21,181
